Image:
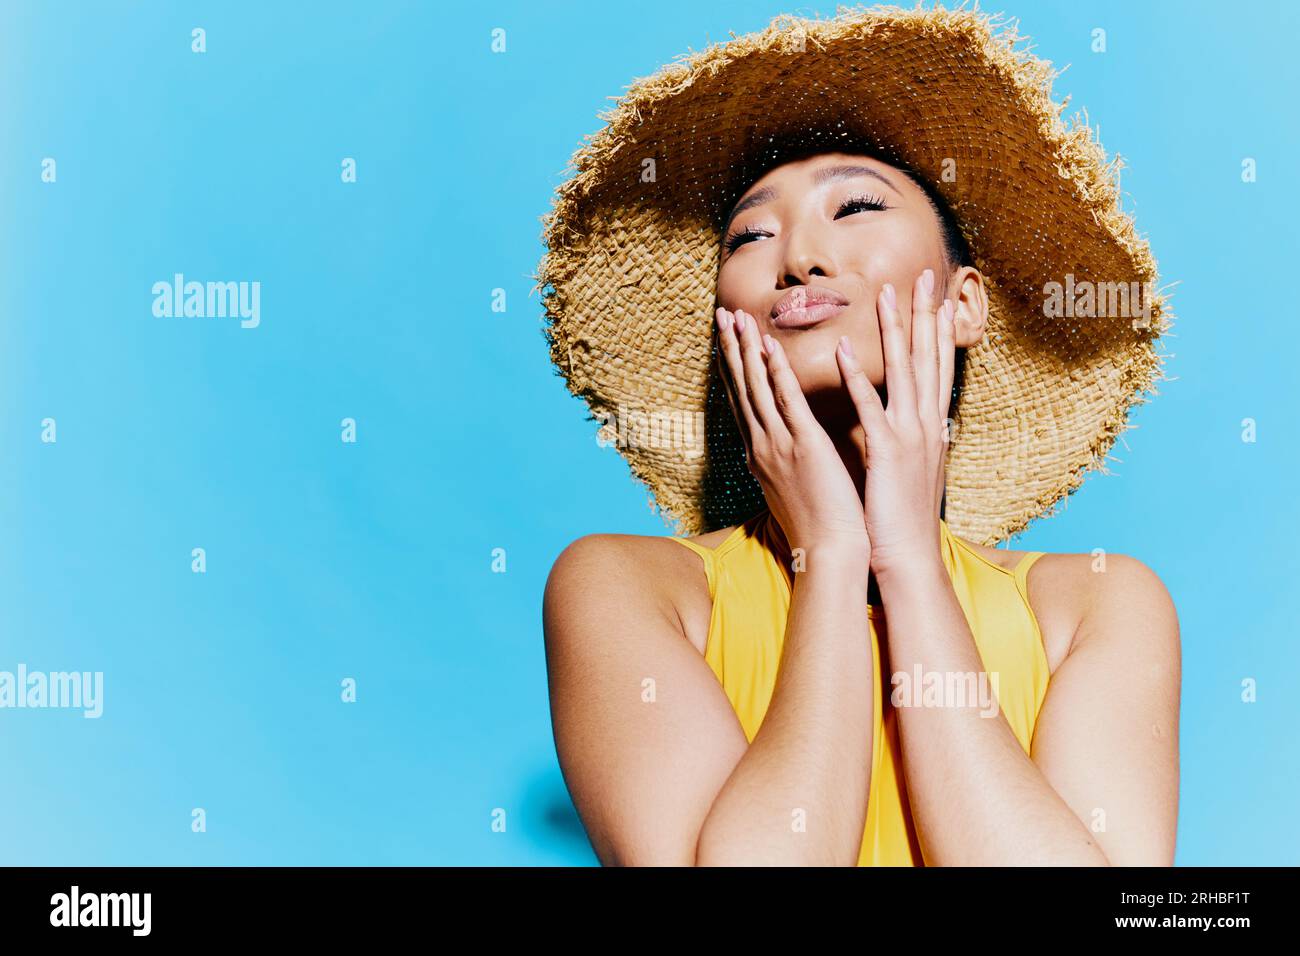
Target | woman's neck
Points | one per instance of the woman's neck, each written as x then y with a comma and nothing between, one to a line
839,419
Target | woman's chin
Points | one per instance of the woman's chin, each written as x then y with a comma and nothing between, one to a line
818,370
812,356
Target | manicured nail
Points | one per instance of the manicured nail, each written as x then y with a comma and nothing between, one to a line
740,321
769,344
846,346
927,281
888,292
724,320
948,310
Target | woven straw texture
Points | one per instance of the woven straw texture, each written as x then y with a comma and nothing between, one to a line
633,242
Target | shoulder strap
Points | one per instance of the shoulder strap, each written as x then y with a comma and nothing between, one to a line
701,550
706,553
1021,570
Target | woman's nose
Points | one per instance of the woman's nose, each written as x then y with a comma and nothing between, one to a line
805,257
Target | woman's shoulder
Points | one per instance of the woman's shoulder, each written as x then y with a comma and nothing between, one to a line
1065,588
634,549
1086,569
644,561
640,574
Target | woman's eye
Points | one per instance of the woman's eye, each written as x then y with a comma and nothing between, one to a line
849,207
738,239
860,204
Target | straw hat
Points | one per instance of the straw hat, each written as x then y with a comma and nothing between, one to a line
633,239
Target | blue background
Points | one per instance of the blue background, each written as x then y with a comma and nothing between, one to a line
374,560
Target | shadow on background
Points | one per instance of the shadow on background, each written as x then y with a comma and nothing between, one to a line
551,819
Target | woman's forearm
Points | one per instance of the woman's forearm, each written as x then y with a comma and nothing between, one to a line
799,794
976,797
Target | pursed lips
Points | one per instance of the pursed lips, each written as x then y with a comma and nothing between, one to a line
804,306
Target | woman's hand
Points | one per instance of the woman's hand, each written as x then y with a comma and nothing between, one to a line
807,487
906,442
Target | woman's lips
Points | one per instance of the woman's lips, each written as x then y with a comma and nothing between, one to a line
808,316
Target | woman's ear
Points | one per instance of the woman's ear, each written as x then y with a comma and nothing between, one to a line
966,289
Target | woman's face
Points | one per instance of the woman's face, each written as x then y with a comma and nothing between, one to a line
836,227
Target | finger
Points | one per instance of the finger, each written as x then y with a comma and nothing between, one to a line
760,389
787,391
870,410
925,347
735,377
900,385
947,333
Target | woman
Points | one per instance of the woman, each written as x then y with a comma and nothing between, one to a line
850,680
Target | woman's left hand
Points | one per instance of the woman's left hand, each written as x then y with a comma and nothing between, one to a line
906,442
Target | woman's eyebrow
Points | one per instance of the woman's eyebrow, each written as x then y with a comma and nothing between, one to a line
851,172
767,193
756,198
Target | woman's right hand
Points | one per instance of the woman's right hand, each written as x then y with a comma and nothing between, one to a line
808,489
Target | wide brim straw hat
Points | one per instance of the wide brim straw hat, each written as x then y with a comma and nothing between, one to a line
634,234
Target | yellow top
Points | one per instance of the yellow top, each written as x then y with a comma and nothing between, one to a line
750,586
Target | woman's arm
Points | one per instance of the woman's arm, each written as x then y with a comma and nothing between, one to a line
644,733
667,777
653,755
1107,735
1101,787
799,795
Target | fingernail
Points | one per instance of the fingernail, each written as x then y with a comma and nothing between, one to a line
927,281
948,310
769,345
846,346
888,292
740,321
724,320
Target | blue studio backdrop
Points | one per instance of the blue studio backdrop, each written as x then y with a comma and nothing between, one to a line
303,543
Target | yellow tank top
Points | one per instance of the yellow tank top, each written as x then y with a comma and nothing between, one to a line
750,586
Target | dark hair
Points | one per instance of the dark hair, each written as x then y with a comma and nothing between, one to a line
955,247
